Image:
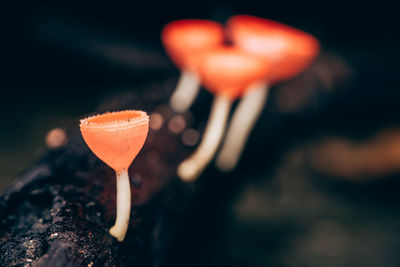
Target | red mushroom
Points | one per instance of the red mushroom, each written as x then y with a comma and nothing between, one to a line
116,138
226,72
184,41
289,51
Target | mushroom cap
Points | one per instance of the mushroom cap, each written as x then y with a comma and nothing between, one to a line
290,50
116,137
185,40
230,71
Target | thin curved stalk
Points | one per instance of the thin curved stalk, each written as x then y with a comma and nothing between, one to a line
123,206
192,167
241,125
185,92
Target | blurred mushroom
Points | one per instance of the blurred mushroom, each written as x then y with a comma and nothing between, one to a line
184,40
226,72
116,138
289,50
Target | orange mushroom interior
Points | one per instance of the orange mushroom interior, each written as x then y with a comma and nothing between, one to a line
113,117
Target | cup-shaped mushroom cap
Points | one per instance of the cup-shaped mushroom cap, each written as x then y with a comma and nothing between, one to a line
290,50
230,71
116,137
184,40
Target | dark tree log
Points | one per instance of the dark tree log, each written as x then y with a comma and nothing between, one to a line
58,212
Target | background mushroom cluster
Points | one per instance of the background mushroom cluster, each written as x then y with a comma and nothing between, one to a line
240,61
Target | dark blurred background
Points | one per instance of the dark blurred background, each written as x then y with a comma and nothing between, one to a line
61,59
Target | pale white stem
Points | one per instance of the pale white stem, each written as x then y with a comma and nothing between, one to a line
241,125
192,167
185,92
123,206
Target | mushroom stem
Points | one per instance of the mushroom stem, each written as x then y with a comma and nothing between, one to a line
123,206
192,167
185,92
242,123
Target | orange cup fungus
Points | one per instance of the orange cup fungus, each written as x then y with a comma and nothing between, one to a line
263,52
116,138
184,38
288,50
227,72
184,41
